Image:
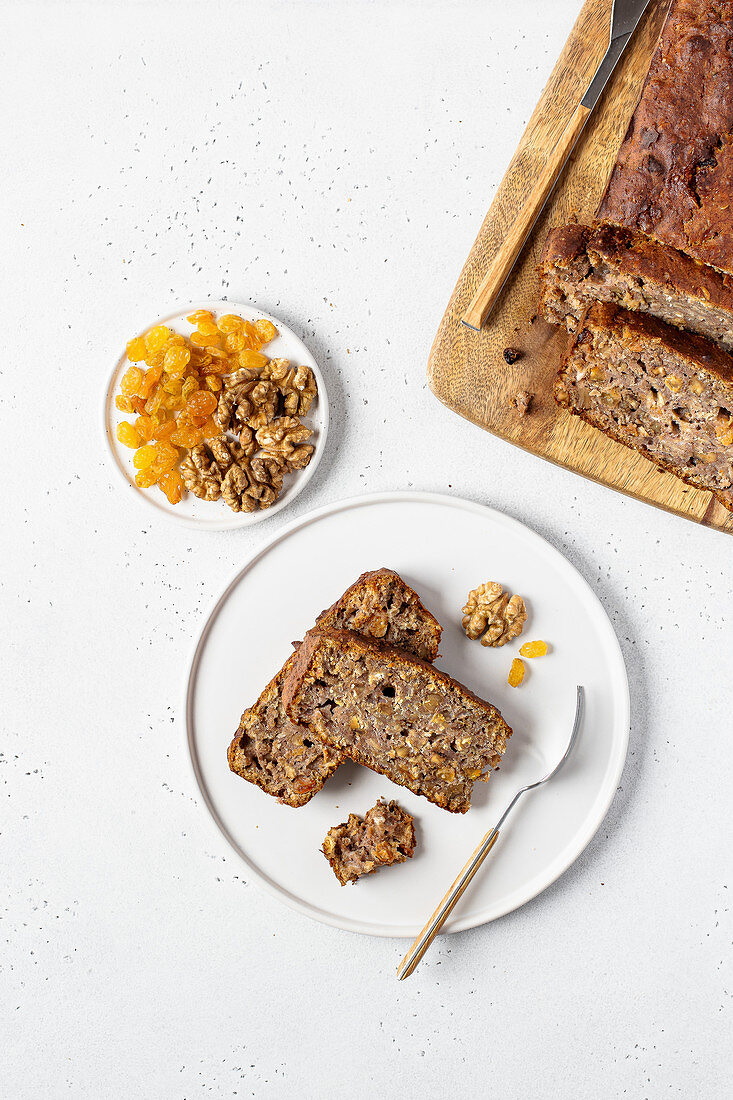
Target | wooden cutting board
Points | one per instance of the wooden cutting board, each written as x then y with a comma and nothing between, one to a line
467,370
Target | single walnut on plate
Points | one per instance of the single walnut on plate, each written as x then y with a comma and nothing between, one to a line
200,473
249,402
297,385
252,484
283,436
493,615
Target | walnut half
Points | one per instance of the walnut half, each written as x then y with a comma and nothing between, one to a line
493,615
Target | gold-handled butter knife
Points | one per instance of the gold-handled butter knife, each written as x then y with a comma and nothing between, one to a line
625,16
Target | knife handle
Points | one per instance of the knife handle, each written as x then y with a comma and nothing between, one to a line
446,905
506,257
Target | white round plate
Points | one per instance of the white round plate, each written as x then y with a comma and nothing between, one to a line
206,514
443,547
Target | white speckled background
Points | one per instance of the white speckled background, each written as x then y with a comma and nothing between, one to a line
331,163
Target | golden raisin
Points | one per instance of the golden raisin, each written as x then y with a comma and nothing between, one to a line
127,435
199,340
138,404
516,673
152,375
229,323
534,649
154,401
165,430
190,387
200,315
146,427
187,436
145,478
234,341
124,404
166,456
131,380
136,350
172,485
213,382
252,359
144,457
200,404
176,360
172,385
156,338
265,330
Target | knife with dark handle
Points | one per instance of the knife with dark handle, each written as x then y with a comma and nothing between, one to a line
625,16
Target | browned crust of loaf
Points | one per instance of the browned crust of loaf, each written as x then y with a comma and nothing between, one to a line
373,579
637,255
564,242
672,175
308,651
710,360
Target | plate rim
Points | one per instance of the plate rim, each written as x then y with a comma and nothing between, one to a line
520,896
237,519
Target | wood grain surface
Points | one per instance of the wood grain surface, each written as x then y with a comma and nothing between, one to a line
466,369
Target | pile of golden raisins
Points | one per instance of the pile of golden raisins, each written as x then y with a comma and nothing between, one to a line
173,389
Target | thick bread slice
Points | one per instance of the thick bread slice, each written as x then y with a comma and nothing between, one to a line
662,392
395,714
281,757
608,263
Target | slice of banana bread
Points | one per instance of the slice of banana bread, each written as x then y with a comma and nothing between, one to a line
281,757
395,714
608,263
662,392
358,847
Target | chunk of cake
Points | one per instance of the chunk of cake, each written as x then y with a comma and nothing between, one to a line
359,846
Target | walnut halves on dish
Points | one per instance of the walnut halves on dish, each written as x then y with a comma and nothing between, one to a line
358,847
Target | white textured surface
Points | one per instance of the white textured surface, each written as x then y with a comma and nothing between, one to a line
332,163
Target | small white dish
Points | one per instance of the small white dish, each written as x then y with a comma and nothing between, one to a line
216,515
442,546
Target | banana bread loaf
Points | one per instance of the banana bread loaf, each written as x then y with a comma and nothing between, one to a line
673,177
358,847
281,757
396,714
662,392
608,263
